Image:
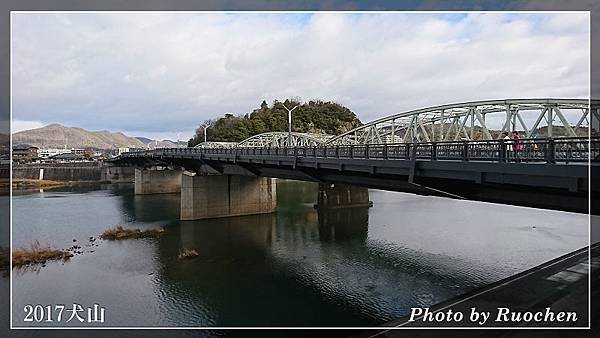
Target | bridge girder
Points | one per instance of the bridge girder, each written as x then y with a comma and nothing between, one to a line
478,120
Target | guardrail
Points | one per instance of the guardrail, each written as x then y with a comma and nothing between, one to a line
524,150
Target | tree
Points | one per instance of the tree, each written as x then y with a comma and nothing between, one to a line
88,153
264,106
314,116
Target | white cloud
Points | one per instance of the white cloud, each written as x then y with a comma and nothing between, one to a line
165,73
20,125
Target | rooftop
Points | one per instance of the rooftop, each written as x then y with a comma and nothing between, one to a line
23,146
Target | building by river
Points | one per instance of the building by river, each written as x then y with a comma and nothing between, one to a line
25,153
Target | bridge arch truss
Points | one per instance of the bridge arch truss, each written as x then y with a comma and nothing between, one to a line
280,139
478,120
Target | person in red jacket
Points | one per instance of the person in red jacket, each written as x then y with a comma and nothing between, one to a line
518,145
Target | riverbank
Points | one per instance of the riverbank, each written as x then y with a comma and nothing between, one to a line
77,171
26,185
4,261
33,183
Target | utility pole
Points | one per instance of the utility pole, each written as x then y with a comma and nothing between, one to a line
289,123
205,127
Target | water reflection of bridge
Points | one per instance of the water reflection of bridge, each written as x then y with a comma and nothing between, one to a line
310,258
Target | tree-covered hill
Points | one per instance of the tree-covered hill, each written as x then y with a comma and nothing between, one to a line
310,117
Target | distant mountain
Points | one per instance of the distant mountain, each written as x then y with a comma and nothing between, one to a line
59,136
160,144
144,140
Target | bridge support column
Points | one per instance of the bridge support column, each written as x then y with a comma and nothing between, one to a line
115,174
212,196
342,196
154,181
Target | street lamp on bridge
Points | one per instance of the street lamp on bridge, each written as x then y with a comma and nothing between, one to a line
289,123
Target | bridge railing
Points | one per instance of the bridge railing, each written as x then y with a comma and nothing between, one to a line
507,150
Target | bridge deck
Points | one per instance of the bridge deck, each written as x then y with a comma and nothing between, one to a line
556,177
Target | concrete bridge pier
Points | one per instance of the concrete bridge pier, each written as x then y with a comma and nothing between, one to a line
116,174
212,196
157,181
342,196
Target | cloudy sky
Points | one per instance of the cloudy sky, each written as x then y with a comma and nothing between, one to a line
161,74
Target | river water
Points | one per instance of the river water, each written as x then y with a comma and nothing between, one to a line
296,267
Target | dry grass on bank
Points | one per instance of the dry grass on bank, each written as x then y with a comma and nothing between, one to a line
119,233
37,254
187,253
28,184
36,183
4,260
4,186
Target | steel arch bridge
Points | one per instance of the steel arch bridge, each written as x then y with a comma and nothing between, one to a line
280,139
467,121
477,120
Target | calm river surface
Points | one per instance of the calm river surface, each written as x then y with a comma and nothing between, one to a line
296,267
